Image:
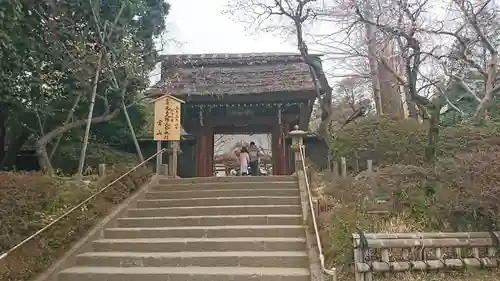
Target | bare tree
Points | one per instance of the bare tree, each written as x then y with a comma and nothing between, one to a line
473,34
220,143
409,43
402,24
295,13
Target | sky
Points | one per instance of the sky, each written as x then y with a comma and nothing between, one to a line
201,27
204,28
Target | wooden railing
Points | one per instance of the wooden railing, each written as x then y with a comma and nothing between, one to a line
399,252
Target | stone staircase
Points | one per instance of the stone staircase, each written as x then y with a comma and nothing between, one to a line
210,229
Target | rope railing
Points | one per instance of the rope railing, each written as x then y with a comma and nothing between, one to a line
332,272
67,213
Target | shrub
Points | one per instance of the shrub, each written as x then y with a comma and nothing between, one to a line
384,140
467,187
68,157
402,141
29,201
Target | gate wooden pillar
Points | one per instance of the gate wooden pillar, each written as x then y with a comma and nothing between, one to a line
211,154
278,148
283,148
204,151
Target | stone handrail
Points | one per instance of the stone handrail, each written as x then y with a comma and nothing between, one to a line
332,272
397,252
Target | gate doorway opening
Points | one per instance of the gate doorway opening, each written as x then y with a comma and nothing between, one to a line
227,148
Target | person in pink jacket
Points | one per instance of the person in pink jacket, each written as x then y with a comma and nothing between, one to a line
244,160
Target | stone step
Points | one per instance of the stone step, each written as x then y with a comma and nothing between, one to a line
187,194
184,274
219,201
217,210
260,179
250,259
210,220
225,185
206,231
200,244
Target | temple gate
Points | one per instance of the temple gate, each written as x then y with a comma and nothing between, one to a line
257,93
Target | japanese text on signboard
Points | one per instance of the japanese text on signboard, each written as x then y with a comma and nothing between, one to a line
167,119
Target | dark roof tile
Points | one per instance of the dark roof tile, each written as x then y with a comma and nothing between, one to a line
250,73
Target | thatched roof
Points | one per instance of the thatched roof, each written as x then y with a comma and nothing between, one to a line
250,73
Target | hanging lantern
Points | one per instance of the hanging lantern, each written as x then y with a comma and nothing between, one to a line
201,117
279,114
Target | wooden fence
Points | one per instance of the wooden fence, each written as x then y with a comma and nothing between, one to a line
379,205
398,252
340,166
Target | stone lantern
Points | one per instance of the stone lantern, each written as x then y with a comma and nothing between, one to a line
297,137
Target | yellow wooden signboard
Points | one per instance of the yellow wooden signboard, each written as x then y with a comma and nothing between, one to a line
167,118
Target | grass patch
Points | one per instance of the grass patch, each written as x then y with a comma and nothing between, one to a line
29,201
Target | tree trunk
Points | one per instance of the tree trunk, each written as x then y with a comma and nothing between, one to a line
132,133
3,133
41,144
412,110
68,118
433,133
390,98
83,153
490,91
373,63
43,159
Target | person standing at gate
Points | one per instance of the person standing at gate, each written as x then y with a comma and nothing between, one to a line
244,159
254,159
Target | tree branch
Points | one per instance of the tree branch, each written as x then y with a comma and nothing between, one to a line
465,87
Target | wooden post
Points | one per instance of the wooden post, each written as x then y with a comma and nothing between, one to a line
281,156
385,258
492,252
336,168
211,152
475,252
438,253
357,169
406,254
200,157
329,162
175,158
343,167
358,258
369,166
204,152
101,170
158,157
170,158
164,170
